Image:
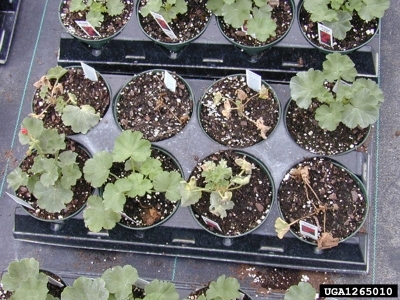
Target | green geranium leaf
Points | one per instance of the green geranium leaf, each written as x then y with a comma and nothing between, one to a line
189,192
329,117
19,271
302,291
344,91
152,5
17,178
67,158
47,168
97,217
51,141
261,25
119,281
53,198
218,205
168,183
95,18
33,288
71,174
34,128
305,86
223,288
139,185
341,26
131,145
151,167
56,72
97,169
167,289
114,194
372,86
77,5
373,9
337,4
115,7
215,6
281,227
337,66
237,13
320,11
80,119
86,289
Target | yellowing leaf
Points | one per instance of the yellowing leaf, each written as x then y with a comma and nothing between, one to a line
281,227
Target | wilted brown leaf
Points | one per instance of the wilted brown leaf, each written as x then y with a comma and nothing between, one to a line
263,128
226,112
326,241
241,95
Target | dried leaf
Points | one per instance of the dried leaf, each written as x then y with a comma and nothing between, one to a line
263,128
226,112
301,173
326,241
241,95
41,82
281,227
58,89
263,93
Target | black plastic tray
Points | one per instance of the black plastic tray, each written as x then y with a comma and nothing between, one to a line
209,58
8,18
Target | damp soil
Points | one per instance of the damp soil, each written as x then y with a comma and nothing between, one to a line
81,191
87,92
362,31
305,131
147,210
145,104
334,187
248,212
186,26
109,27
237,131
281,14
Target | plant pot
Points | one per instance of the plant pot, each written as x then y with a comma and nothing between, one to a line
97,94
145,104
305,131
187,27
259,120
82,190
354,40
56,284
249,44
149,211
330,184
97,42
248,213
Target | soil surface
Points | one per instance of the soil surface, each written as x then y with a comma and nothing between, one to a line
248,212
87,92
334,187
110,26
361,32
150,209
82,190
305,131
145,104
281,14
186,26
238,131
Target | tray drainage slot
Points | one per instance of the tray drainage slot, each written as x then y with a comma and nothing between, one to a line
184,241
271,249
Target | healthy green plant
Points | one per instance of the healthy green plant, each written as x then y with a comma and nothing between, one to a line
344,99
254,14
224,288
302,291
81,119
95,9
239,104
169,9
337,14
220,182
146,177
25,281
53,172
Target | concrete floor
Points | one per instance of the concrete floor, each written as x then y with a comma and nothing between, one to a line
34,51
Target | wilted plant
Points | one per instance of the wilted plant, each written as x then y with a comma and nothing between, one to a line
169,9
146,177
337,14
344,99
81,119
95,9
220,182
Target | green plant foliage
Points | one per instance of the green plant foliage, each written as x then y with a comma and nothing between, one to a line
220,182
302,291
223,288
81,119
97,169
86,289
162,290
169,9
96,9
97,217
256,14
131,145
353,102
336,14
281,227
119,281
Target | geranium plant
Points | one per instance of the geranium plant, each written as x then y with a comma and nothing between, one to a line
81,119
169,9
344,99
220,182
254,14
337,14
95,9
223,288
146,177
54,170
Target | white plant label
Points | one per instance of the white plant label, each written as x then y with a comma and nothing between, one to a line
325,35
164,25
90,73
169,81
20,201
309,230
88,28
211,223
253,80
